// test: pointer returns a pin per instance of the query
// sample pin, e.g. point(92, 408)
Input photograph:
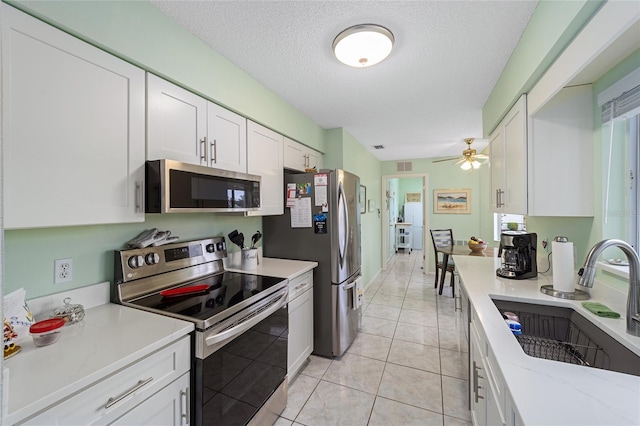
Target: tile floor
point(408, 365)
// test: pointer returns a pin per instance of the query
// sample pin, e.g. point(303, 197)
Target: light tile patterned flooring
point(408, 365)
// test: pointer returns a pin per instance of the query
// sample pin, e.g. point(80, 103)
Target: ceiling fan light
point(466, 165)
point(363, 45)
point(475, 164)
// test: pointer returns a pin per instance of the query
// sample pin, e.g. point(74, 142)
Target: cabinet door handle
point(499, 202)
point(184, 400)
point(114, 400)
point(139, 197)
point(477, 387)
point(203, 150)
point(214, 152)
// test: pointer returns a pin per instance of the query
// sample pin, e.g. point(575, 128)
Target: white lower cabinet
point(300, 322)
point(145, 391)
point(486, 386)
point(169, 407)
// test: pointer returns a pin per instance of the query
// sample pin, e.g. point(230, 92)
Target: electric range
point(241, 321)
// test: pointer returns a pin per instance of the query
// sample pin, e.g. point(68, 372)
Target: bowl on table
point(477, 248)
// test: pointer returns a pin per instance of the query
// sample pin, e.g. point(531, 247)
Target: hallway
point(408, 365)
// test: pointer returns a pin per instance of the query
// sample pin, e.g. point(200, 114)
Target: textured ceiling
point(421, 102)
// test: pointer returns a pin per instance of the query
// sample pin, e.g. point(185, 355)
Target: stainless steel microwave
point(176, 187)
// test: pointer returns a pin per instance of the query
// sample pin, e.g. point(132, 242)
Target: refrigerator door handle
point(343, 225)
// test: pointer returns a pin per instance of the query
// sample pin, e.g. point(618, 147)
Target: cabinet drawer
point(121, 391)
point(300, 284)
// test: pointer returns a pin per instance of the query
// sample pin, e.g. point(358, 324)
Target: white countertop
point(109, 338)
point(549, 392)
point(281, 268)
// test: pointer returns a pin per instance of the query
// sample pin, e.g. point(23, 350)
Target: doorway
point(398, 190)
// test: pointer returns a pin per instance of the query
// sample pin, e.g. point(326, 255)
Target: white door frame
point(425, 218)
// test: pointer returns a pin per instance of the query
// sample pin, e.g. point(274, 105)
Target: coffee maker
point(518, 255)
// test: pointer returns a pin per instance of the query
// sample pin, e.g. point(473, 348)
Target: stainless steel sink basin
point(562, 334)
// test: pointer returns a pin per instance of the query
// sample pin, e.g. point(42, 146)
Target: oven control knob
point(135, 262)
point(152, 258)
point(221, 246)
point(211, 248)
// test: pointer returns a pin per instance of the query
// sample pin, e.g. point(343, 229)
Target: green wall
point(553, 25)
point(445, 175)
point(29, 254)
point(345, 152)
point(407, 185)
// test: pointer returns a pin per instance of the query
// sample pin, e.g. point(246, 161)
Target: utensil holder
point(249, 259)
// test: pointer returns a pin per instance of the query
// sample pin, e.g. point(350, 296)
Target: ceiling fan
point(469, 157)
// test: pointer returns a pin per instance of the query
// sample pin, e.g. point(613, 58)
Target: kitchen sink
point(562, 334)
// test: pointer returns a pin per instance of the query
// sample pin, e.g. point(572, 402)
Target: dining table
point(454, 250)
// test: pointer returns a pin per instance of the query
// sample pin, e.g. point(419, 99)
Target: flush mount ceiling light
point(363, 45)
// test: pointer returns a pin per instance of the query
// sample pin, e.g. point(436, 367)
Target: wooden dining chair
point(442, 238)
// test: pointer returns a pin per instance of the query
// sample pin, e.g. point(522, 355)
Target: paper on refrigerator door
point(301, 213)
point(291, 194)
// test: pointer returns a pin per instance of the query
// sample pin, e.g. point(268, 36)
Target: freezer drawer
point(346, 319)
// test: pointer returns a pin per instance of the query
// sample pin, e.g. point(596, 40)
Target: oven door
point(241, 366)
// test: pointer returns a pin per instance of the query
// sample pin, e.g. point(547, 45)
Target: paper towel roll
point(563, 273)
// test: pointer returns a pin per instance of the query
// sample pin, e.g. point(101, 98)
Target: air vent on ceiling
point(405, 166)
point(378, 147)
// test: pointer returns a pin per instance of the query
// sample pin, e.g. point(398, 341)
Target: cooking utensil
point(182, 291)
point(255, 238)
point(236, 238)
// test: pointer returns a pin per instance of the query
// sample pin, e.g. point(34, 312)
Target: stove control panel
point(133, 264)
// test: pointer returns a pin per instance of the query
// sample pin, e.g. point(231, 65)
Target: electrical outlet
point(545, 245)
point(63, 270)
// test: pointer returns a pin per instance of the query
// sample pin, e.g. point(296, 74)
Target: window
point(620, 147)
point(508, 222)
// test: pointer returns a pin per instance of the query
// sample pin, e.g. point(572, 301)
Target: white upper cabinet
point(73, 129)
point(265, 158)
point(299, 157)
point(508, 152)
point(183, 126)
point(176, 123)
point(227, 139)
point(561, 155)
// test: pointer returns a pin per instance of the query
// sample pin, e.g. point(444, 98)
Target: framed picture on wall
point(413, 197)
point(363, 199)
point(452, 201)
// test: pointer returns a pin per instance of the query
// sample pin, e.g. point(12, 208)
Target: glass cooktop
point(224, 291)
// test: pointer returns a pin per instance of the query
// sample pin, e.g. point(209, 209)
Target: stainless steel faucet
point(588, 271)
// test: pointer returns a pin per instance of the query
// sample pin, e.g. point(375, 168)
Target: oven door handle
point(244, 326)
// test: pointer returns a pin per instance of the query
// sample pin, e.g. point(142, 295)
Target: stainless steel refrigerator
point(322, 223)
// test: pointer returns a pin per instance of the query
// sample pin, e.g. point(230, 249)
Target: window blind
point(625, 105)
